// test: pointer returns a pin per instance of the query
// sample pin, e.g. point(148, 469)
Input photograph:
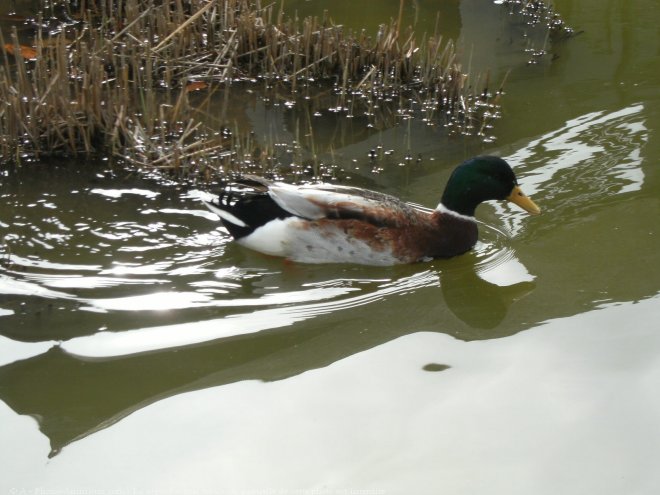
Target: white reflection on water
point(12, 350)
point(568, 407)
point(503, 270)
point(89, 282)
point(195, 213)
point(118, 193)
point(49, 265)
point(109, 344)
point(601, 150)
point(160, 301)
point(11, 286)
point(614, 137)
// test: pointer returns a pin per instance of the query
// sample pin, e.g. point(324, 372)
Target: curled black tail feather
point(248, 201)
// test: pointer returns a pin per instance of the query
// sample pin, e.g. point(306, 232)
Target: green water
point(143, 352)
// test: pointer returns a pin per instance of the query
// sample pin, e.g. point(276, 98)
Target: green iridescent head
point(480, 179)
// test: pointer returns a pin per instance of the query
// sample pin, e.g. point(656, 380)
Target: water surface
point(141, 350)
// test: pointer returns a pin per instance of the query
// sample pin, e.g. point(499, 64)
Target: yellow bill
point(518, 197)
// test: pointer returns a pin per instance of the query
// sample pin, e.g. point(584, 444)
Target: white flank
point(334, 246)
point(295, 239)
point(272, 238)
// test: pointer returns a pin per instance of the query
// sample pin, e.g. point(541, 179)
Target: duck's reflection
point(480, 304)
point(72, 397)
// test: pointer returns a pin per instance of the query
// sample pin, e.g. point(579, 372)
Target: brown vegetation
point(119, 78)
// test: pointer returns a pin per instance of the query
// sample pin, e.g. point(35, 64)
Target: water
point(142, 351)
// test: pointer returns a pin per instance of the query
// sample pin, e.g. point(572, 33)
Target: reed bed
point(119, 78)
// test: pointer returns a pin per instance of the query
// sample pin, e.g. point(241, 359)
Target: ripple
point(112, 344)
point(33, 262)
point(88, 282)
point(164, 275)
point(496, 262)
point(10, 286)
point(161, 301)
point(582, 164)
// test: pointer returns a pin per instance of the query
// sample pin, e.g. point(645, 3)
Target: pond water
point(141, 351)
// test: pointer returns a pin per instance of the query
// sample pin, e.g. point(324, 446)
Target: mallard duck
point(322, 223)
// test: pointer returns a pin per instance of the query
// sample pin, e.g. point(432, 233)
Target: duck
point(327, 223)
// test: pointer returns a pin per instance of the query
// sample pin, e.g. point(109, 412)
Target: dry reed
point(118, 79)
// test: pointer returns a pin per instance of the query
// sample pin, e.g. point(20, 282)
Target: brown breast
point(435, 235)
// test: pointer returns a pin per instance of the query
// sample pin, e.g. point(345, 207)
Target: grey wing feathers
point(318, 201)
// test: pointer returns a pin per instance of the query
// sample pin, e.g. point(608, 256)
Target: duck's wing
point(318, 201)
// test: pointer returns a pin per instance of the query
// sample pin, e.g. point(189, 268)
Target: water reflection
point(83, 248)
point(145, 300)
point(88, 383)
point(478, 303)
point(583, 163)
point(163, 305)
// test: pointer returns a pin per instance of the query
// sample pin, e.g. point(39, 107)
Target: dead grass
point(118, 80)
